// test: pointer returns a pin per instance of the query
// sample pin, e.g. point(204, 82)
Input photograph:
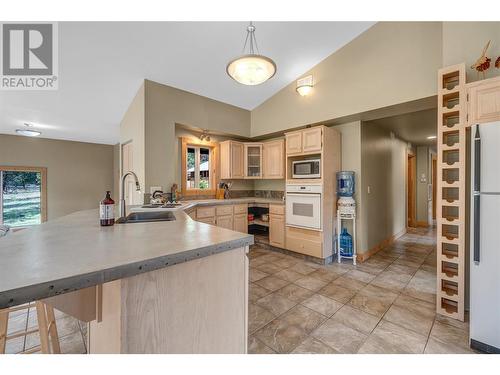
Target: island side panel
point(104, 333)
point(195, 307)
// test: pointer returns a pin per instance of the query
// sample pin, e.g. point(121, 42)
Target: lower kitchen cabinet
point(207, 220)
point(240, 223)
point(304, 241)
point(277, 225)
point(277, 230)
point(225, 221)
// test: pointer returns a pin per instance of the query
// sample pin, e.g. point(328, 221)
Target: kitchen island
point(159, 287)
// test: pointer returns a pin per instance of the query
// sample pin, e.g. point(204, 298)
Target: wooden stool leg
point(4, 320)
point(42, 327)
point(54, 337)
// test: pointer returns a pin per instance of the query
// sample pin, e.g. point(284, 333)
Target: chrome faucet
point(123, 210)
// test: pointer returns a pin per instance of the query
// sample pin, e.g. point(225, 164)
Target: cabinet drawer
point(203, 212)
point(240, 208)
point(224, 210)
point(207, 220)
point(304, 241)
point(277, 209)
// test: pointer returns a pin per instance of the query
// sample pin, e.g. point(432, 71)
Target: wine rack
point(452, 123)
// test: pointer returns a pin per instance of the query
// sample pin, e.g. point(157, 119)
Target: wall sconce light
point(305, 85)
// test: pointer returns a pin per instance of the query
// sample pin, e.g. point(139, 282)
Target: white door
point(128, 165)
point(303, 210)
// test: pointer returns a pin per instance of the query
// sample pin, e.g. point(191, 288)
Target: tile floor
point(384, 305)
point(72, 333)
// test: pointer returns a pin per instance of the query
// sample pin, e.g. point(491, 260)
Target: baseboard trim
point(384, 243)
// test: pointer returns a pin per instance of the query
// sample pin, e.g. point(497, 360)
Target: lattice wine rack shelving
point(451, 188)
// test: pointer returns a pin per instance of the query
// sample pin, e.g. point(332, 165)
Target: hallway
point(384, 305)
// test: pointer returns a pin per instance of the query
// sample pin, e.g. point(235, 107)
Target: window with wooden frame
point(199, 167)
point(23, 196)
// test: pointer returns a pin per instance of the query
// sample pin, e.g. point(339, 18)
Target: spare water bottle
point(345, 243)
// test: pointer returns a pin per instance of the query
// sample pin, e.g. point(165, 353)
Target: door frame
point(434, 186)
point(411, 168)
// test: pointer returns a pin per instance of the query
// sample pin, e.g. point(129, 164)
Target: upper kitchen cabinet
point(484, 101)
point(253, 160)
point(312, 140)
point(274, 159)
point(232, 163)
point(294, 143)
point(307, 141)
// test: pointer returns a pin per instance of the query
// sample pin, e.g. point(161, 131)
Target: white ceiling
point(101, 66)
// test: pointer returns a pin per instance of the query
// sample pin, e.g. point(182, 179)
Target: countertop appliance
point(303, 206)
point(309, 168)
point(485, 238)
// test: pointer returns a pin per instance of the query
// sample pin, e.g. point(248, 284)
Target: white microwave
point(306, 168)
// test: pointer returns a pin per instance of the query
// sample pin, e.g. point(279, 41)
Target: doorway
point(411, 197)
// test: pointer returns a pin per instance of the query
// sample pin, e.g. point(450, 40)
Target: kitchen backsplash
point(269, 194)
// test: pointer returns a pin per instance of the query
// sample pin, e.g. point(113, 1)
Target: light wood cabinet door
point(237, 162)
point(225, 221)
point(207, 220)
point(277, 230)
point(294, 143)
point(253, 160)
point(312, 140)
point(231, 160)
point(240, 223)
point(484, 102)
point(225, 160)
point(274, 159)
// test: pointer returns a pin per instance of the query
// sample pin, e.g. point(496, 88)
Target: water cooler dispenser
point(346, 210)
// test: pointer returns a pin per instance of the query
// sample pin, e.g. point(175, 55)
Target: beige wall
point(383, 166)
point(351, 161)
point(132, 129)
point(391, 63)
point(166, 106)
point(116, 171)
point(78, 174)
point(464, 42)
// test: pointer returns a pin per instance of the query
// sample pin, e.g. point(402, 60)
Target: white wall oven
point(306, 168)
point(303, 206)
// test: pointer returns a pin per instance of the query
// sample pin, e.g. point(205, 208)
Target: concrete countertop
point(75, 252)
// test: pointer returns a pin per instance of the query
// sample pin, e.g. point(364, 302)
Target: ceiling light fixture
point(251, 68)
point(28, 132)
point(431, 137)
point(204, 136)
point(305, 85)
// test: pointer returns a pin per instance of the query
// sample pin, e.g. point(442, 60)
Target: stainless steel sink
point(145, 217)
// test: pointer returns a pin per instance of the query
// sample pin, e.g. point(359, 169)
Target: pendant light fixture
point(251, 68)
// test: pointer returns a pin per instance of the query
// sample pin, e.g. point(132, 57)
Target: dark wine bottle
point(107, 211)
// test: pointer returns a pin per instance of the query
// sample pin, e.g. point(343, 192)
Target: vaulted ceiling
point(102, 65)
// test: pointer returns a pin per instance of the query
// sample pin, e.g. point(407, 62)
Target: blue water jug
point(345, 183)
point(345, 243)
